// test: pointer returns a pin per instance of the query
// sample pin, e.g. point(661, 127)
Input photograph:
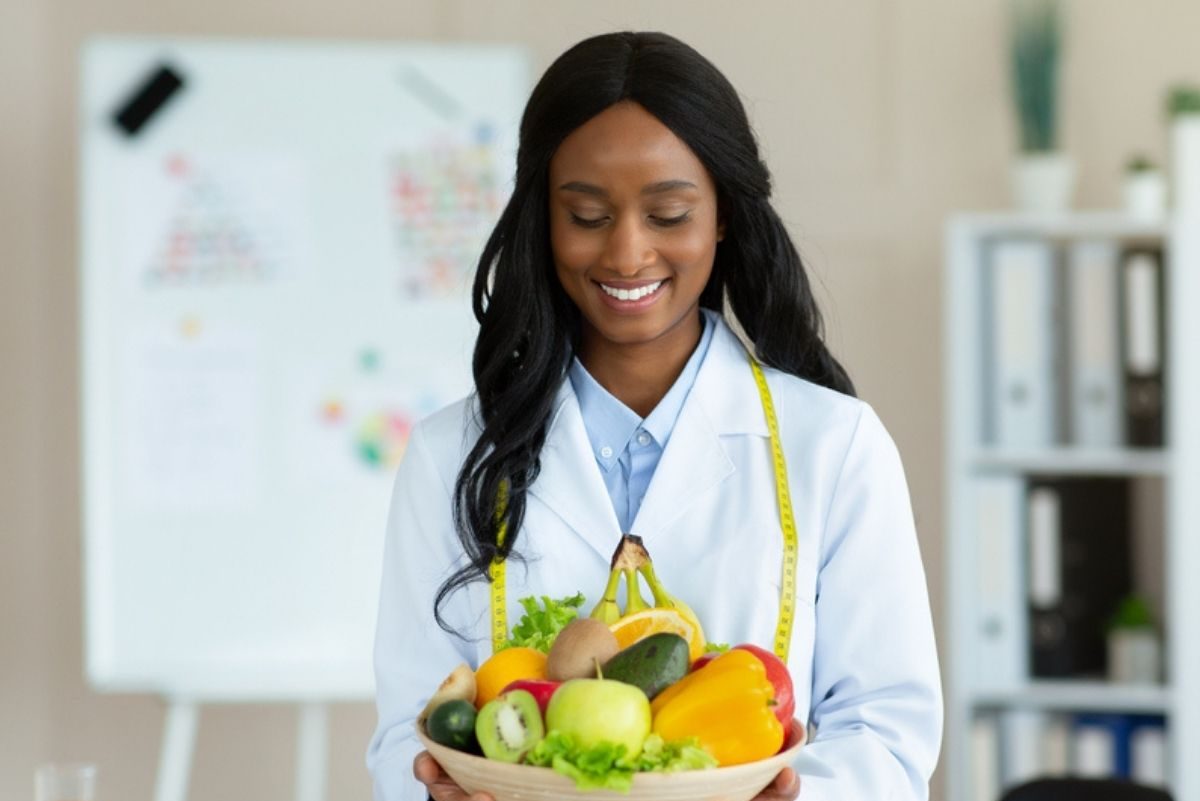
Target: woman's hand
point(786, 787)
point(442, 787)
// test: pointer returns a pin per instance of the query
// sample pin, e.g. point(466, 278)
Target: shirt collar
point(611, 424)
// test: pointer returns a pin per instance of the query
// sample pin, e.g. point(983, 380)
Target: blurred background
point(881, 122)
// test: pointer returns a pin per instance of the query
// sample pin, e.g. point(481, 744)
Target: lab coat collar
point(724, 401)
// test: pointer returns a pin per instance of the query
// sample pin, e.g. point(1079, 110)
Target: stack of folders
point(1075, 343)
point(1019, 745)
point(1052, 563)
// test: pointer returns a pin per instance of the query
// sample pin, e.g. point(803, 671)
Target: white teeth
point(632, 294)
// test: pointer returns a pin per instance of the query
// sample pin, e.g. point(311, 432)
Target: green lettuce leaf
point(538, 627)
point(607, 766)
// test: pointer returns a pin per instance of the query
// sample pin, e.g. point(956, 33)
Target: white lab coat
point(862, 657)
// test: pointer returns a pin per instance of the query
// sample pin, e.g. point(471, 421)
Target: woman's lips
point(627, 296)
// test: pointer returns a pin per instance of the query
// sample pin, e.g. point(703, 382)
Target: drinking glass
point(65, 782)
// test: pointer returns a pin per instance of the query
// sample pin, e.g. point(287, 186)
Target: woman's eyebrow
point(649, 189)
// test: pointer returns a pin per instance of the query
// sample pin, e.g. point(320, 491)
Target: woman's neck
point(640, 374)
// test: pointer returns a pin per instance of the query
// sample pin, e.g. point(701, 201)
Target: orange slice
point(640, 625)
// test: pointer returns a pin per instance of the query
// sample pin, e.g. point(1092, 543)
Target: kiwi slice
point(509, 725)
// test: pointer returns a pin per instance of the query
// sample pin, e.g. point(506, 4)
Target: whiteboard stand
point(312, 752)
point(179, 744)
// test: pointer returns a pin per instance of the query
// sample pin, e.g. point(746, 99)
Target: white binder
point(1023, 397)
point(1148, 755)
point(1097, 407)
point(985, 759)
point(1022, 745)
point(1001, 622)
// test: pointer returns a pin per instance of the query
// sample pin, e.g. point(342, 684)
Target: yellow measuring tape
point(787, 590)
point(787, 520)
point(499, 603)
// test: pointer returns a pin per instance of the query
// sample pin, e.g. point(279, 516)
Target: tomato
point(541, 690)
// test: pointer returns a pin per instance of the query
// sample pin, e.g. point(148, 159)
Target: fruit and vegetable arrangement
point(603, 697)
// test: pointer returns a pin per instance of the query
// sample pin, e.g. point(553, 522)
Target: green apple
point(601, 710)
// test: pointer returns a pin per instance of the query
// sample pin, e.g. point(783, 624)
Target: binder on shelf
point(1022, 397)
point(1100, 746)
point(1079, 555)
point(1148, 751)
point(1056, 746)
point(1021, 741)
point(1000, 630)
point(1096, 407)
point(984, 739)
point(1142, 346)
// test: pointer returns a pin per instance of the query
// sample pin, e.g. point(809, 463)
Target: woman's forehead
point(626, 147)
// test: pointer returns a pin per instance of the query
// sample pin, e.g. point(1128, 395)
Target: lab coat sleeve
point(876, 695)
point(412, 654)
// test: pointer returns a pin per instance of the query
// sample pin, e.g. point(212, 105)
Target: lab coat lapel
point(570, 483)
point(723, 401)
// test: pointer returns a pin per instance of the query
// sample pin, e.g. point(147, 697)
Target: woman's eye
point(587, 222)
point(667, 222)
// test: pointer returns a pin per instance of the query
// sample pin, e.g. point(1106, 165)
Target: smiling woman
point(611, 396)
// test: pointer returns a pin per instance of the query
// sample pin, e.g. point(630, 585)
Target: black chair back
point(1084, 790)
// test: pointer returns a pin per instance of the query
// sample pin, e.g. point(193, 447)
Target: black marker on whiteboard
point(148, 99)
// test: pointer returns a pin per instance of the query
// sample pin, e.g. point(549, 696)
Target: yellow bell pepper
point(727, 705)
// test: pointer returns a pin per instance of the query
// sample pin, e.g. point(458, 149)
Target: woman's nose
point(627, 250)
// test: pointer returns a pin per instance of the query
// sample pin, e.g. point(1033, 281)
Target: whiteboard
point(275, 272)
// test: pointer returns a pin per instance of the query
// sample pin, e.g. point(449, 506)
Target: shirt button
point(606, 452)
point(643, 438)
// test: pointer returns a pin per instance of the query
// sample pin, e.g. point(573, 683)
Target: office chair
point(1084, 790)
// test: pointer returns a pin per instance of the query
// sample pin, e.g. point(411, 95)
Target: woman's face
point(633, 228)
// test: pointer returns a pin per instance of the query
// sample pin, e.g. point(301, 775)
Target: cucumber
point(652, 664)
point(453, 724)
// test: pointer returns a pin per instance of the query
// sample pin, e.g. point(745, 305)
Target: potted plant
point(1145, 189)
point(1134, 653)
point(1183, 107)
point(1043, 176)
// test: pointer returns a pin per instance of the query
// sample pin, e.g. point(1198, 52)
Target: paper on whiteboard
point(212, 220)
point(443, 199)
point(347, 429)
point(193, 418)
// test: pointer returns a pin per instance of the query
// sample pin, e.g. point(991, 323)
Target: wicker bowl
point(506, 782)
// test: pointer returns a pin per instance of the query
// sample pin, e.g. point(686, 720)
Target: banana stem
point(633, 593)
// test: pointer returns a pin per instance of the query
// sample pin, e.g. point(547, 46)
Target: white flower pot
point(1043, 183)
point(1134, 656)
point(1185, 161)
point(1145, 195)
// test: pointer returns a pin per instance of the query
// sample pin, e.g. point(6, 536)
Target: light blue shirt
point(626, 447)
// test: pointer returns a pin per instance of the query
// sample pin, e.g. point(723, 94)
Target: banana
point(630, 561)
point(607, 611)
point(664, 600)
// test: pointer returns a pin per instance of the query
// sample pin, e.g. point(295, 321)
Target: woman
point(612, 396)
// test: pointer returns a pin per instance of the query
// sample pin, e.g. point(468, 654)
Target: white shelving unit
point(1176, 466)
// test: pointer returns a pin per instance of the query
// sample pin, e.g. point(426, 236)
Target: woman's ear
point(720, 230)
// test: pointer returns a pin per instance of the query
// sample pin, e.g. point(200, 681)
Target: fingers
point(441, 787)
point(786, 787)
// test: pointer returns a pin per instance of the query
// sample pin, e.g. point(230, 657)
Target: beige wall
point(877, 117)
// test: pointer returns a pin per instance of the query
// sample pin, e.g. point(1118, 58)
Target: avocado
point(652, 664)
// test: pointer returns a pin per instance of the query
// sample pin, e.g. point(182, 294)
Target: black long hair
point(529, 329)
